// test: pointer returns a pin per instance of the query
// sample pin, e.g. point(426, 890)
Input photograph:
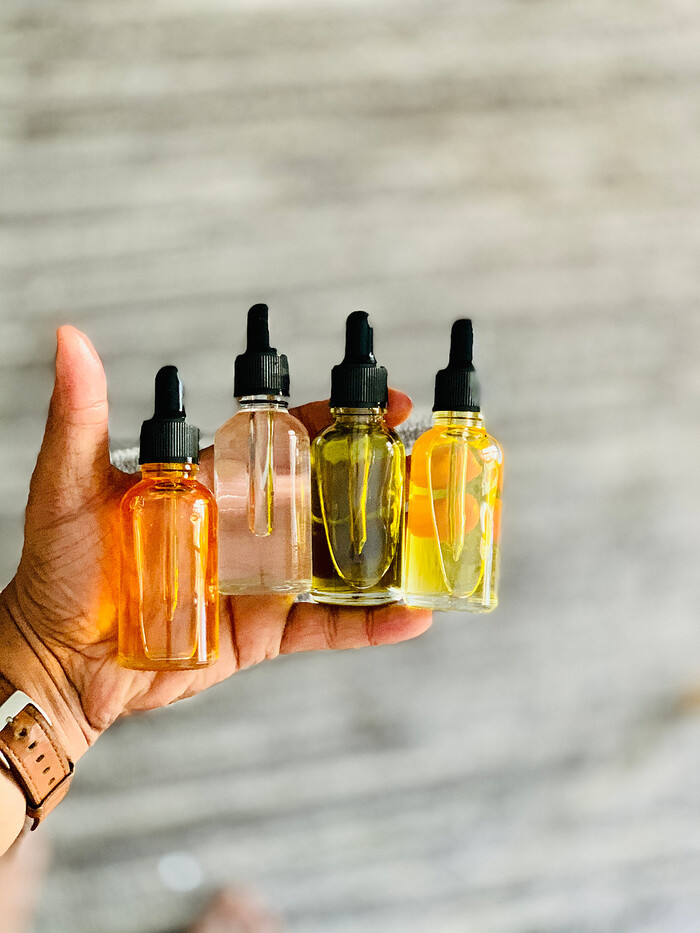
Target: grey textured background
point(534, 164)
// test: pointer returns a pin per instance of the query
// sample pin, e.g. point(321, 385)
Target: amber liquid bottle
point(454, 502)
point(358, 466)
point(168, 606)
point(262, 473)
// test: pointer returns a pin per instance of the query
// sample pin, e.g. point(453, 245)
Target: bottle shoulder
point(339, 431)
point(201, 490)
point(237, 425)
point(292, 423)
point(160, 486)
point(452, 435)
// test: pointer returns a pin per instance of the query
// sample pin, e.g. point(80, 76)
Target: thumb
point(73, 464)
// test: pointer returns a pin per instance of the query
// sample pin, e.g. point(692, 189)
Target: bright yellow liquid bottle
point(454, 501)
point(454, 509)
point(168, 603)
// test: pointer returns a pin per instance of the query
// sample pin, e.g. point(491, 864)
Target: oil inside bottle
point(454, 508)
point(454, 502)
point(357, 509)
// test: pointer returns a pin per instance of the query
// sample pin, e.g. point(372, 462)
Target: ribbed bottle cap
point(167, 437)
point(457, 386)
point(358, 382)
point(260, 370)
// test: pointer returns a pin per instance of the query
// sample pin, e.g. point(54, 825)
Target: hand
point(58, 616)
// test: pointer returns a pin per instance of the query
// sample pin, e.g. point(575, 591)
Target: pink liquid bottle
point(262, 477)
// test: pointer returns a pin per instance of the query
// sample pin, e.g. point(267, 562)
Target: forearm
point(30, 667)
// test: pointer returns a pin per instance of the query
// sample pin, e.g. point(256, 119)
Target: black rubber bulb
point(169, 394)
point(461, 343)
point(359, 339)
point(258, 332)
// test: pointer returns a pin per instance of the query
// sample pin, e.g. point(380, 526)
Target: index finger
point(316, 416)
point(314, 626)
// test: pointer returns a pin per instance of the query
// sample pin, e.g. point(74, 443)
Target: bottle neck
point(263, 401)
point(359, 415)
point(173, 470)
point(467, 419)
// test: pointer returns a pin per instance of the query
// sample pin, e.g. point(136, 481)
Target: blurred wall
point(534, 165)
point(165, 164)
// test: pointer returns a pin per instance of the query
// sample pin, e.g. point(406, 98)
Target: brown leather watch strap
point(31, 751)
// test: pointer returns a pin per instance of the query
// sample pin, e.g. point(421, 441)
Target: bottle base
point(183, 664)
point(356, 599)
point(257, 588)
point(444, 603)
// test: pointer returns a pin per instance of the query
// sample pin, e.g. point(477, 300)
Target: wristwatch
point(30, 750)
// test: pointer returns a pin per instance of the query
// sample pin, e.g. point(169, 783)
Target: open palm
point(58, 616)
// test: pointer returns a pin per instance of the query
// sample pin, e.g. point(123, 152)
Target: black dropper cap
point(358, 382)
point(261, 370)
point(167, 437)
point(457, 386)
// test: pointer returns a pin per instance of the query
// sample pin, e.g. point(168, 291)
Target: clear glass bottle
point(454, 501)
point(168, 605)
point(358, 468)
point(263, 477)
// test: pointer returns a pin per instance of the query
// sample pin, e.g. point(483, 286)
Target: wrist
point(28, 665)
point(13, 807)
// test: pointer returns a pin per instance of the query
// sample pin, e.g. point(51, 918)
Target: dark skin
point(58, 624)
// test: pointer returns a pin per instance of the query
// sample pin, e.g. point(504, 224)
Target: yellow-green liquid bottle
point(358, 470)
point(454, 501)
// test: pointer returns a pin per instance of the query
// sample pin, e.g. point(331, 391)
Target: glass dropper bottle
point(454, 501)
point(168, 606)
point(358, 483)
point(262, 477)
